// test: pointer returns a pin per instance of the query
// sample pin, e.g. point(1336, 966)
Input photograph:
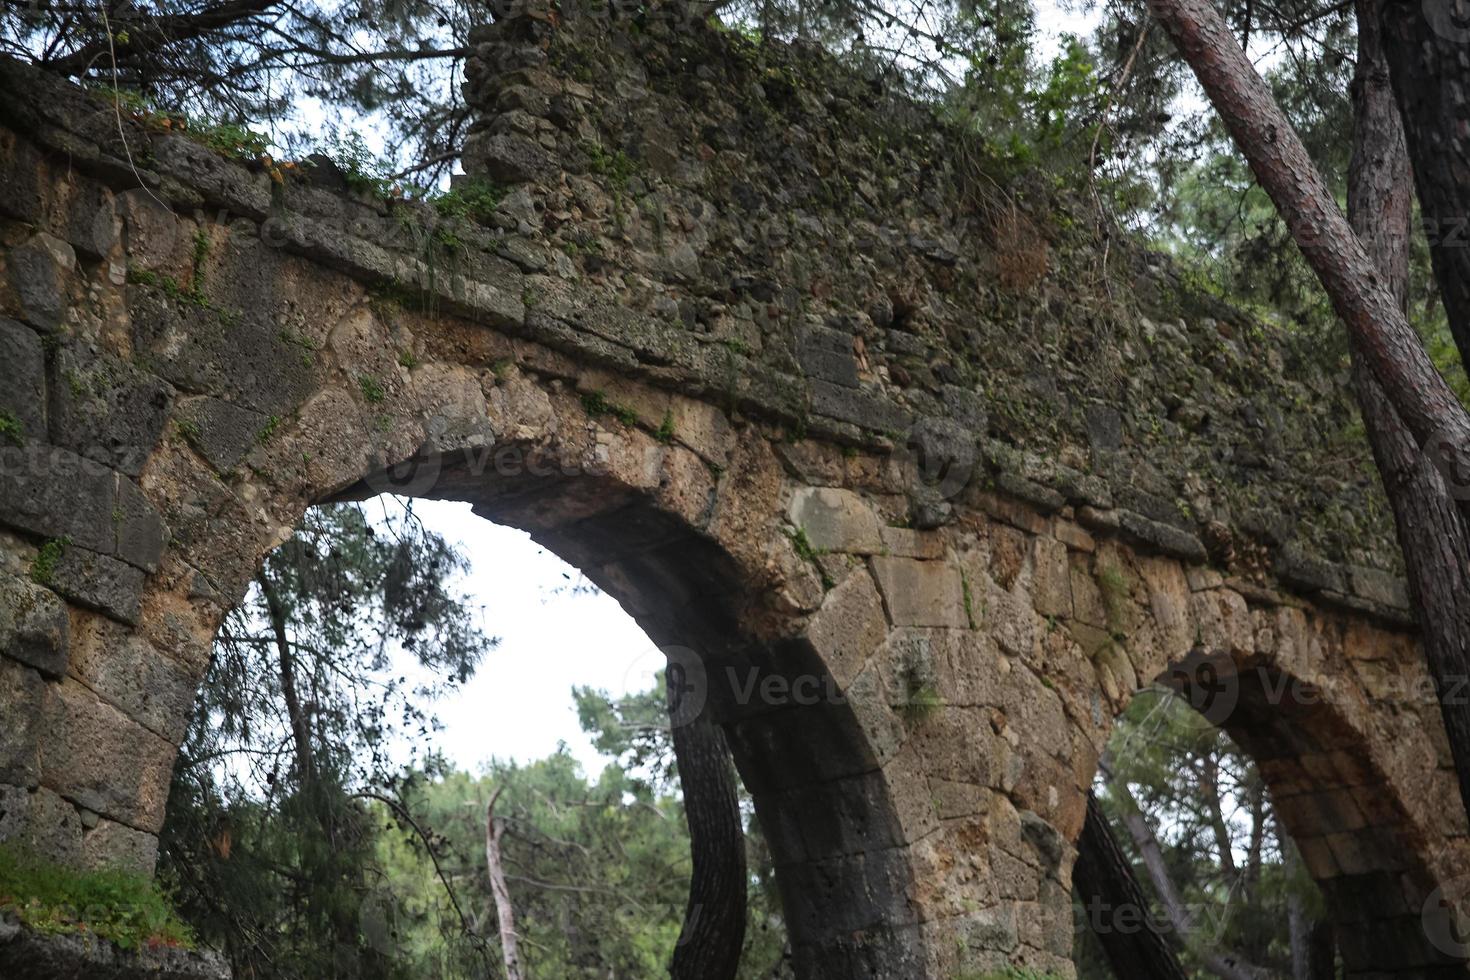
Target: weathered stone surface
point(93, 227)
point(921, 593)
point(836, 520)
point(509, 158)
point(25, 701)
point(46, 825)
point(1051, 586)
point(72, 956)
point(97, 757)
point(773, 354)
point(127, 671)
point(849, 626)
point(140, 530)
point(154, 236)
point(904, 542)
point(1162, 537)
point(23, 396)
point(40, 273)
point(827, 354)
point(104, 408)
point(34, 627)
point(112, 845)
point(99, 582)
point(54, 493)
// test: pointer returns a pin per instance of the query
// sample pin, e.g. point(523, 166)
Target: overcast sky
point(552, 638)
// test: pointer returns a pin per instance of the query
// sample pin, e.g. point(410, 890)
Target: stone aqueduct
point(751, 341)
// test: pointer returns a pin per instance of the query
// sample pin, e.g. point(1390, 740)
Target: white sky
point(519, 704)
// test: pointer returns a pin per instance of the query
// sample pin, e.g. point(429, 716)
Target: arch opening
point(1268, 840)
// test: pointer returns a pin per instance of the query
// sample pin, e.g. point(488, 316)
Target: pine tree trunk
point(1425, 43)
point(1383, 342)
point(1103, 879)
point(1431, 531)
point(504, 912)
point(714, 921)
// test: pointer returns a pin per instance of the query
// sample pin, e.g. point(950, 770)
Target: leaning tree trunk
point(504, 912)
point(1431, 531)
point(1103, 878)
point(1425, 43)
point(1224, 963)
point(1361, 294)
point(714, 920)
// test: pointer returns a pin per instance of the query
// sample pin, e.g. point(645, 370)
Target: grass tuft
point(127, 909)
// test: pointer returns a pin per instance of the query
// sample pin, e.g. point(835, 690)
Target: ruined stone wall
point(920, 488)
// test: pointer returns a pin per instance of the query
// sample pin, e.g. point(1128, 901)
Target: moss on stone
point(129, 910)
point(12, 430)
point(43, 566)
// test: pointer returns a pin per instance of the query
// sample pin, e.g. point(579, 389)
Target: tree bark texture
point(1431, 532)
point(1103, 877)
point(504, 911)
point(1426, 44)
point(714, 920)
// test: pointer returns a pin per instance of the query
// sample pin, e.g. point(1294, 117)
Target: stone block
point(140, 530)
point(1379, 586)
point(1161, 537)
point(23, 396)
point(836, 520)
point(849, 626)
point(1074, 536)
point(34, 626)
point(15, 809)
point(883, 731)
point(903, 542)
point(40, 273)
point(856, 405)
point(104, 408)
point(25, 700)
point(703, 428)
point(113, 845)
point(99, 582)
point(222, 432)
point(1035, 495)
point(827, 354)
point(1051, 587)
point(54, 493)
point(1223, 622)
point(238, 354)
point(1301, 570)
point(1010, 621)
point(92, 223)
point(132, 675)
point(52, 827)
point(23, 191)
point(921, 593)
point(1087, 598)
point(1013, 512)
point(508, 158)
point(99, 758)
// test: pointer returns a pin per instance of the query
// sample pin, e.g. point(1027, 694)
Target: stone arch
point(682, 531)
point(765, 346)
point(1285, 682)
